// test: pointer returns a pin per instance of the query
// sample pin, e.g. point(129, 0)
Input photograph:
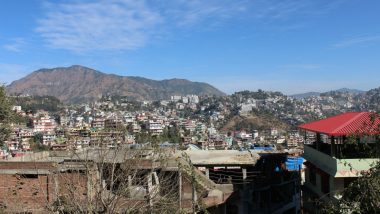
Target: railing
point(348, 151)
point(338, 167)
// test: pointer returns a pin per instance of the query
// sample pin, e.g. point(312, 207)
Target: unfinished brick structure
point(35, 186)
point(113, 181)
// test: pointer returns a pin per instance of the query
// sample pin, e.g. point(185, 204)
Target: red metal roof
point(346, 124)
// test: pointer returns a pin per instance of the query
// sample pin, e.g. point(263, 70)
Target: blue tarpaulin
point(265, 148)
point(294, 163)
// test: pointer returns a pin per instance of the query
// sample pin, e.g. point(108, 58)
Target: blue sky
point(285, 45)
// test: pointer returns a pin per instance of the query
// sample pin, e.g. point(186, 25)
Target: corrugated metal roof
point(346, 124)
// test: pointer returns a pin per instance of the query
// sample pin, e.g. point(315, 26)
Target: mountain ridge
point(77, 84)
point(314, 93)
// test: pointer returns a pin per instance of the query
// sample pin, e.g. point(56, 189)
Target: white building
point(185, 100)
point(16, 108)
point(48, 138)
point(155, 127)
point(175, 98)
point(193, 99)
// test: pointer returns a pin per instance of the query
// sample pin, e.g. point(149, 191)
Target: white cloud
point(101, 25)
point(276, 10)
point(186, 13)
point(130, 24)
point(15, 45)
point(124, 24)
point(361, 40)
point(302, 66)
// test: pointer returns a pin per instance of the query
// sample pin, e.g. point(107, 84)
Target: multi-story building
point(340, 153)
point(128, 118)
point(155, 127)
point(193, 99)
point(25, 133)
point(136, 127)
point(64, 121)
point(244, 135)
point(43, 124)
point(200, 127)
point(113, 123)
point(48, 138)
point(175, 98)
point(98, 123)
point(188, 125)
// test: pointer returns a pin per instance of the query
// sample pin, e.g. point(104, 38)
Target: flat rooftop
point(197, 157)
point(220, 157)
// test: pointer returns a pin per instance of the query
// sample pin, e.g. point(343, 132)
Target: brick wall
point(27, 165)
point(36, 192)
point(26, 192)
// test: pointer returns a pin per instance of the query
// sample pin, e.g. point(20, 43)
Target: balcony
point(344, 166)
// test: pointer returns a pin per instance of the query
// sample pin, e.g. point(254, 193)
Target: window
point(30, 176)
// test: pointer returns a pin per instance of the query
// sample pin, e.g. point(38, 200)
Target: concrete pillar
point(245, 198)
point(150, 190)
point(332, 146)
point(318, 141)
point(56, 186)
point(207, 172)
point(332, 186)
point(194, 197)
point(129, 181)
point(304, 137)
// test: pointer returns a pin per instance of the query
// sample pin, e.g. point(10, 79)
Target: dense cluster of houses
point(107, 123)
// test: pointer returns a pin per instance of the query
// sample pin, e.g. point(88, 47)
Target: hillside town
point(288, 168)
point(191, 119)
point(182, 120)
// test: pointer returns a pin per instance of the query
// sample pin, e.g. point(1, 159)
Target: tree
point(5, 116)
point(120, 181)
point(36, 143)
point(363, 195)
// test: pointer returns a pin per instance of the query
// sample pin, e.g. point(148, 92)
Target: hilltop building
point(340, 152)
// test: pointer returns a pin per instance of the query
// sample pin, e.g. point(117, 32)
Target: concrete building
point(188, 125)
point(230, 182)
point(193, 99)
point(113, 123)
point(48, 138)
point(260, 180)
point(185, 100)
point(98, 123)
point(47, 181)
point(200, 127)
point(332, 161)
point(136, 128)
point(244, 135)
point(128, 118)
point(155, 127)
point(16, 108)
point(175, 98)
point(43, 124)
